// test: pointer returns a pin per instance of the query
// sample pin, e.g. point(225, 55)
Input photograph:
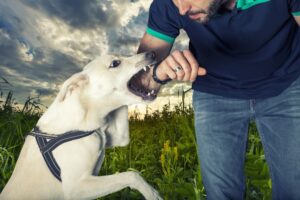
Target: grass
point(162, 149)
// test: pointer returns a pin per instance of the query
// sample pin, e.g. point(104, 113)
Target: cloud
point(78, 13)
point(124, 40)
point(8, 47)
point(27, 69)
point(42, 43)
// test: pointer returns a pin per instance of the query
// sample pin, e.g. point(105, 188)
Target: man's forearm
point(149, 43)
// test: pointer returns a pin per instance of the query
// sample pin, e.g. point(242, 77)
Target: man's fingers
point(201, 71)
point(171, 74)
point(164, 71)
point(180, 66)
point(193, 64)
point(172, 64)
point(183, 62)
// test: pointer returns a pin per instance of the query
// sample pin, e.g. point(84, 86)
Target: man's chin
point(197, 16)
point(206, 15)
point(203, 20)
point(200, 17)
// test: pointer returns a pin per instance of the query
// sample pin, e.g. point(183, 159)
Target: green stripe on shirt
point(160, 35)
point(296, 13)
point(245, 4)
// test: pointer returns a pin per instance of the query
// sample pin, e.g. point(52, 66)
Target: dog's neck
point(70, 115)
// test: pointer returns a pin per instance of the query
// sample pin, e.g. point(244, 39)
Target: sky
point(43, 42)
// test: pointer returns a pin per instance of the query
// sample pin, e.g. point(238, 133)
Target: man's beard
point(210, 12)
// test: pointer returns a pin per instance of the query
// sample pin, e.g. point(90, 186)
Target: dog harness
point(48, 142)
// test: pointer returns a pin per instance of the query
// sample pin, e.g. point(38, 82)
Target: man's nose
point(183, 7)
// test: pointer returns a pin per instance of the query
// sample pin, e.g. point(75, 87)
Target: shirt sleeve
point(163, 22)
point(295, 7)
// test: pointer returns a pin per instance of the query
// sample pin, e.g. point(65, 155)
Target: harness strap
point(48, 157)
point(47, 143)
point(100, 159)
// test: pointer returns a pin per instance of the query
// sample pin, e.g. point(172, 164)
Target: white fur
point(95, 98)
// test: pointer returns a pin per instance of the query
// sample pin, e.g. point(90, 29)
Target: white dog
point(91, 109)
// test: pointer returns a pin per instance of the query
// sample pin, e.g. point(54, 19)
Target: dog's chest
point(83, 153)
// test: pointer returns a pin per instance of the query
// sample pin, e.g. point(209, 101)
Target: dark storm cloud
point(26, 76)
point(11, 24)
point(8, 47)
point(47, 65)
point(78, 13)
point(56, 61)
point(44, 91)
point(129, 36)
point(58, 68)
point(120, 41)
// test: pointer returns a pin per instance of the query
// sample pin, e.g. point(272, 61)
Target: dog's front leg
point(97, 186)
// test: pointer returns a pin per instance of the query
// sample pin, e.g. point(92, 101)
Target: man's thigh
point(278, 122)
point(221, 129)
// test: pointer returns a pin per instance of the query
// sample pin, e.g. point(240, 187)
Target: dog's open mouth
point(136, 86)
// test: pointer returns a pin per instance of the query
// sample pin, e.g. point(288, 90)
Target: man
point(249, 53)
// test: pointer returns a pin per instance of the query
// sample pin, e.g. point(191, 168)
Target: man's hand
point(181, 66)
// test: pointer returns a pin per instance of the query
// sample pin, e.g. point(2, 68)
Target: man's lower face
point(204, 16)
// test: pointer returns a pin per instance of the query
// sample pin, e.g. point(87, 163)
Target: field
point(162, 149)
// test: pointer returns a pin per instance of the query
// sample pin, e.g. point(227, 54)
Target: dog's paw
point(141, 185)
point(155, 196)
point(152, 194)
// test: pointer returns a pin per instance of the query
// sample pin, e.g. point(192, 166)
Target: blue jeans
point(221, 130)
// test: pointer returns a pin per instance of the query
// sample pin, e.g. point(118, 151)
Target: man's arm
point(297, 18)
point(160, 47)
point(165, 70)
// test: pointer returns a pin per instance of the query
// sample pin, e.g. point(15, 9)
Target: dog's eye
point(115, 63)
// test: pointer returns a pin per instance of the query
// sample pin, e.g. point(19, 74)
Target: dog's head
point(113, 76)
point(109, 84)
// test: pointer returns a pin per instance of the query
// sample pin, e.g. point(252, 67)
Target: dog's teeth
point(148, 94)
point(152, 91)
point(145, 68)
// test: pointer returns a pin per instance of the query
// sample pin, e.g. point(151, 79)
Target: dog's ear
point(75, 82)
point(117, 131)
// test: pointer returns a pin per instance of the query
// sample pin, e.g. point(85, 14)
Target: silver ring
point(178, 69)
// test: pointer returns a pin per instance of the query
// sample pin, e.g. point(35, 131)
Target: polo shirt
point(252, 51)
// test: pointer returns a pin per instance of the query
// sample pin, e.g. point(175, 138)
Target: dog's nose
point(150, 55)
